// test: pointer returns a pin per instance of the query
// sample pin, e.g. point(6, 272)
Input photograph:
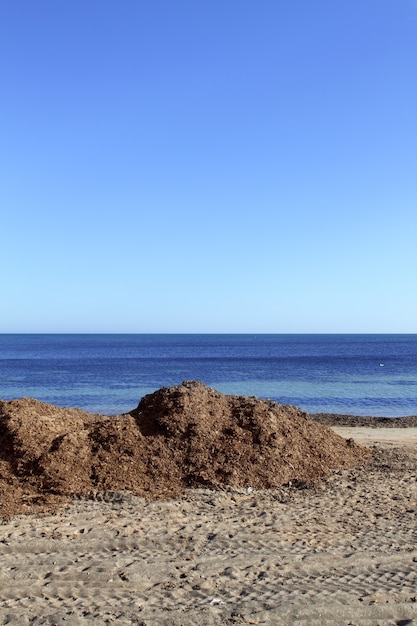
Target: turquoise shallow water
point(356, 374)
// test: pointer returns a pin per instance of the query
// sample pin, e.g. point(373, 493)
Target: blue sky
point(222, 166)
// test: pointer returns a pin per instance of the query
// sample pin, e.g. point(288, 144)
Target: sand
point(343, 551)
point(394, 436)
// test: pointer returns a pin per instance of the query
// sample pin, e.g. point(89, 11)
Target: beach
point(343, 551)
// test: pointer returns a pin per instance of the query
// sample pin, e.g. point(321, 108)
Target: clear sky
point(208, 166)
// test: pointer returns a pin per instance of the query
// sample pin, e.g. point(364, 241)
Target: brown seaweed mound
point(182, 436)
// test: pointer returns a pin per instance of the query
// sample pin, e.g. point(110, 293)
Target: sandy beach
point(393, 436)
point(341, 552)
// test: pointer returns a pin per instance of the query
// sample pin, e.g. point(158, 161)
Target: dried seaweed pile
point(188, 435)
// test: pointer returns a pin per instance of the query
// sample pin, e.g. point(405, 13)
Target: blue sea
point(348, 374)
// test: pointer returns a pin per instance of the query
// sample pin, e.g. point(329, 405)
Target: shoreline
point(341, 419)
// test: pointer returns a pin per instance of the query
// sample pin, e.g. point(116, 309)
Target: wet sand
point(342, 552)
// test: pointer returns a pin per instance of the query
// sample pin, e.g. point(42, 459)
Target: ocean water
point(349, 374)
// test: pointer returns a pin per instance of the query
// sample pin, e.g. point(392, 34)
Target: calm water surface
point(356, 374)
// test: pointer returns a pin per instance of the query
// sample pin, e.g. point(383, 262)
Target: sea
point(109, 373)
